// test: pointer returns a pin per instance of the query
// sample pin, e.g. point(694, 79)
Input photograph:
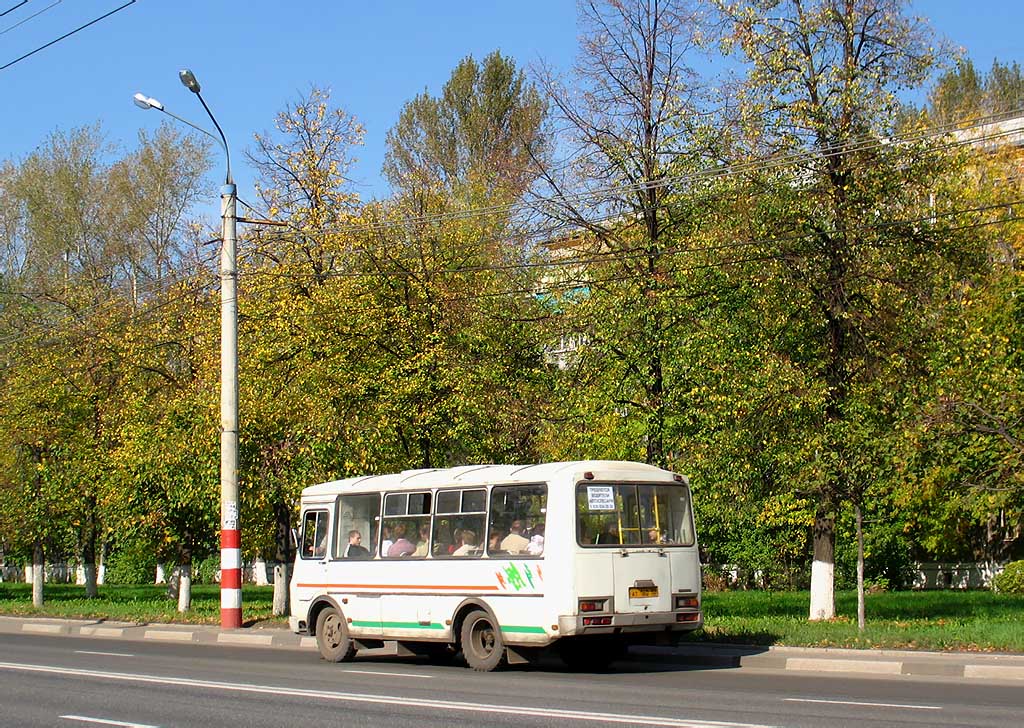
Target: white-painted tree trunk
point(282, 574)
point(184, 588)
point(823, 604)
point(259, 572)
point(80, 575)
point(89, 579)
point(823, 598)
point(860, 569)
point(37, 576)
point(161, 575)
point(28, 573)
point(101, 568)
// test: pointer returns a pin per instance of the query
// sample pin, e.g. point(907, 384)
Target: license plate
point(643, 592)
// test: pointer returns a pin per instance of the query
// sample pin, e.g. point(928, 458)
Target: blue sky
point(251, 57)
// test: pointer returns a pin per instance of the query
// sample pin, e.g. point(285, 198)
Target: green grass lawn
point(144, 603)
point(933, 620)
point(939, 620)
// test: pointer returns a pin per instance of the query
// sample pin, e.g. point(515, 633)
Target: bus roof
point(490, 474)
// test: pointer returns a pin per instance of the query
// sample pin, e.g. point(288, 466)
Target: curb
point(963, 665)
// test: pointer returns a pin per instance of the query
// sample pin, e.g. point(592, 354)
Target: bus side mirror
point(295, 538)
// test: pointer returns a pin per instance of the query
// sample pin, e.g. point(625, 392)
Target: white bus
point(498, 562)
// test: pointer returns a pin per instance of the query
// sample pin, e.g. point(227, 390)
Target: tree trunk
point(282, 575)
point(101, 567)
point(185, 586)
point(823, 601)
point(89, 559)
point(860, 568)
point(37, 574)
point(161, 574)
point(259, 571)
point(283, 557)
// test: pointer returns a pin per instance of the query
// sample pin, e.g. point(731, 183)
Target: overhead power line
point(67, 35)
point(705, 175)
point(30, 17)
point(12, 9)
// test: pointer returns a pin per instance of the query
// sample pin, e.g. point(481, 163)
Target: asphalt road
point(64, 681)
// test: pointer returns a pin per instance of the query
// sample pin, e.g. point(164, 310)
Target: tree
point(476, 142)
point(637, 119)
point(303, 168)
point(858, 250)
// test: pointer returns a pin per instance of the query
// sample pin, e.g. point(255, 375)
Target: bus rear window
point(633, 514)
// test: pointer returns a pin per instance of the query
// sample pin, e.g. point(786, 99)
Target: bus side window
point(314, 535)
point(517, 512)
point(459, 519)
point(357, 513)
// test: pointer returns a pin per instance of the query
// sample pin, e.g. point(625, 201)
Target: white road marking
point(867, 705)
point(102, 721)
point(392, 674)
point(450, 705)
point(111, 654)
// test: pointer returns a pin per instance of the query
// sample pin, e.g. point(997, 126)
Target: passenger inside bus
point(609, 535)
point(355, 549)
point(424, 541)
point(515, 542)
point(536, 545)
point(402, 546)
point(494, 543)
point(468, 547)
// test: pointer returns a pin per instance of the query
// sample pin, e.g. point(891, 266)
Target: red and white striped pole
point(230, 534)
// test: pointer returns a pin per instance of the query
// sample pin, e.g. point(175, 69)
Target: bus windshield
point(633, 514)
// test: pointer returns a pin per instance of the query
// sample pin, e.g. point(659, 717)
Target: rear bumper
point(631, 623)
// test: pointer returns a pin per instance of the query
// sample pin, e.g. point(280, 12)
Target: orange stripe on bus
point(459, 587)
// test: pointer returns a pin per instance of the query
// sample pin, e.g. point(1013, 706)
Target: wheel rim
point(483, 638)
point(332, 631)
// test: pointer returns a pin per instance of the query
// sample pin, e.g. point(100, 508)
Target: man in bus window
point(515, 542)
point(355, 548)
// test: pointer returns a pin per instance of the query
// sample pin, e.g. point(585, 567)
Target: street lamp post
point(230, 534)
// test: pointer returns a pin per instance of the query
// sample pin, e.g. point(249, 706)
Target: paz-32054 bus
point(499, 561)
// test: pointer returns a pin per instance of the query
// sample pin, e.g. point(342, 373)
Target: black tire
point(482, 645)
point(593, 654)
point(332, 637)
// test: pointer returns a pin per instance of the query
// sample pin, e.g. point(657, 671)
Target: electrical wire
point(12, 9)
point(30, 17)
point(67, 35)
point(702, 176)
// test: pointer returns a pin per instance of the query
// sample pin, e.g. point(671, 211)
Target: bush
point(129, 563)
point(1010, 580)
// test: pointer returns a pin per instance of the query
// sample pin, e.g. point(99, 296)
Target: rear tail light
point(687, 602)
point(596, 621)
point(688, 617)
point(592, 605)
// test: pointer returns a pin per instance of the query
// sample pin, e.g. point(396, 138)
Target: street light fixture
point(230, 535)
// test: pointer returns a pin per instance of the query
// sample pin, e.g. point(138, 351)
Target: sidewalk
point(963, 665)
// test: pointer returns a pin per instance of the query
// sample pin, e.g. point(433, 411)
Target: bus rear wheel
point(332, 637)
point(482, 645)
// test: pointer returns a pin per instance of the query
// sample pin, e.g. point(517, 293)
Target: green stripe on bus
point(397, 625)
point(527, 630)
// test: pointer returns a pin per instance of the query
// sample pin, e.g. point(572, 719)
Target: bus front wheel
point(332, 637)
point(482, 645)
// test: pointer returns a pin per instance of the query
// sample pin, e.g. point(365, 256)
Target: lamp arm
point(224, 141)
